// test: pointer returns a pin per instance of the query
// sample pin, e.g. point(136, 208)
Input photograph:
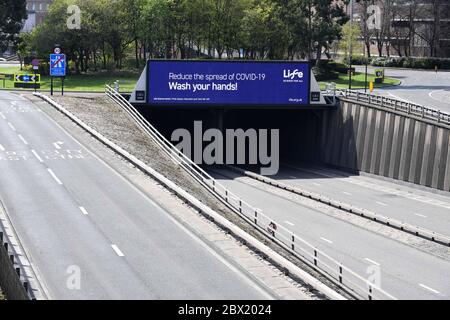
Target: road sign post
point(57, 68)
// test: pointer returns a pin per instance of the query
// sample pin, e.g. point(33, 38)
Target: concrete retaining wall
point(364, 138)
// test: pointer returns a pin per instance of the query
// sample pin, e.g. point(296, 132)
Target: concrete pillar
point(428, 156)
point(440, 158)
point(397, 145)
point(368, 140)
point(386, 147)
point(447, 169)
point(417, 152)
point(378, 142)
point(407, 145)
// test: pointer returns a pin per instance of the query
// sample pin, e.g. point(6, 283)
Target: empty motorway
point(405, 272)
point(76, 216)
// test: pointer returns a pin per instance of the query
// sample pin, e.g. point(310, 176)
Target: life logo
point(293, 75)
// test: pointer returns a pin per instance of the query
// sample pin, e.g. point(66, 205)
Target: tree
point(328, 18)
point(350, 37)
point(13, 14)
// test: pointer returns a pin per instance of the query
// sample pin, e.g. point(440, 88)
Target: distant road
point(74, 213)
point(402, 203)
point(421, 87)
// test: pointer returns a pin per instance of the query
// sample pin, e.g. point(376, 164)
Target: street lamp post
point(350, 49)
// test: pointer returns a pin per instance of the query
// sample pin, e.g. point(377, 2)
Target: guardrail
point(417, 231)
point(12, 275)
point(397, 105)
point(320, 261)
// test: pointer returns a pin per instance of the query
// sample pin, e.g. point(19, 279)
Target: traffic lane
point(426, 215)
point(166, 257)
point(402, 267)
point(426, 88)
point(381, 184)
point(57, 237)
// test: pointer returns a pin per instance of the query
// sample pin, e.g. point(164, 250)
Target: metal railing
point(306, 252)
point(404, 107)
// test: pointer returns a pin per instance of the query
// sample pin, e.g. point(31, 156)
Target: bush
point(413, 63)
point(328, 70)
point(359, 60)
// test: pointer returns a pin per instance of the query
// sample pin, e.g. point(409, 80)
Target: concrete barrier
point(386, 142)
point(10, 273)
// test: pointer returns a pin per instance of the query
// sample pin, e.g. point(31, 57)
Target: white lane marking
point(437, 99)
point(293, 177)
point(346, 193)
point(398, 98)
point(201, 242)
point(2, 148)
point(3, 116)
point(372, 262)
point(382, 204)
point(37, 156)
point(54, 176)
point(23, 139)
point(11, 126)
point(326, 240)
point(428, 288)
point(84, 211)
point(117, 250)
point(58, 144)
point(289, 223)
point(420, 215)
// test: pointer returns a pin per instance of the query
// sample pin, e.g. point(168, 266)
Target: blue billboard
point(58, 65)
point(222, 83)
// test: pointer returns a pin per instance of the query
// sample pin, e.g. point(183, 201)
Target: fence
point(404, 107)
point(320, 261)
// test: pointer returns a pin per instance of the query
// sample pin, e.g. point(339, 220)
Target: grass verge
point(82, 82)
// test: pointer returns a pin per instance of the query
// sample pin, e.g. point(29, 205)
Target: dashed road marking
point(382, 204)
point(2, 148)
point(54, 176)
point(117, 251)
point(346, 193)
point(37, 156)
point(11, 126)
point(326, 240)
point(23, 139)
point(429, 289)
point(372, 262)
point(2, 115)
point(289, 223)
point(420, 215)
point(84, 211)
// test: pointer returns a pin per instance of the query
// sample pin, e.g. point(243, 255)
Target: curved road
point(75, 215)
point(426, 88)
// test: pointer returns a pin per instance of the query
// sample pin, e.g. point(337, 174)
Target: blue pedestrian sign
point(58, 65)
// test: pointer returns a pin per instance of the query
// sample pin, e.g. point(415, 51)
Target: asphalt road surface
point(426, 88)
point(79, 220)
point(410, 205)
point(404, 272)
